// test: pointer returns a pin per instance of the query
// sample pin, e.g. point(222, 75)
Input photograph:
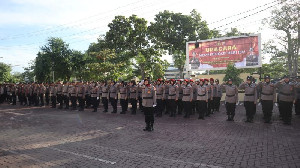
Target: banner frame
point(219, 39)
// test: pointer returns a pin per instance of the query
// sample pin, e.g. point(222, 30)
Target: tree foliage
point(5, 71)
point(233, 73)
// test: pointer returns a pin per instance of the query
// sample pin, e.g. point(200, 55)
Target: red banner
point(244, 52)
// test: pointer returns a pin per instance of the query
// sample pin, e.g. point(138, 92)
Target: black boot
point(147, 128)
point(151, 127)
point(228, 118)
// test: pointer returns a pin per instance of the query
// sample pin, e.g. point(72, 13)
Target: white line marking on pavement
point(157, 157)
point(85, 156)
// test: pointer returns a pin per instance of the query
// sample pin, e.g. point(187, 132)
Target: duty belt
point(202, 95)
point(230, 95)
point(104, 92)
point(286, 94)
point(132, 92)
point(112, 92)
point(147, 97)
point(173, 95)
point(267, 94)
point(122, 93)
point(93, 93)
point(186, 94)
point(249, 94)
point(158, 94)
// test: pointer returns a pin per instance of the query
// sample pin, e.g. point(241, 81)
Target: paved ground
point(44, 137)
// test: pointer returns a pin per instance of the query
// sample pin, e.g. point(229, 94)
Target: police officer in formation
point(171, 97)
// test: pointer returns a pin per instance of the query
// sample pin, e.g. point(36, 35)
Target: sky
point(25, 25)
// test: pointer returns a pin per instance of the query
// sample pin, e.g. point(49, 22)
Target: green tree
point(5, 71)
point(285, 18)
point(171, 31)
point(53, 57)
point(233, 73)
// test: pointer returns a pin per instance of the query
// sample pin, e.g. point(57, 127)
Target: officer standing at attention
point(217, 95)
point(166, 96)
point(53, 95)
point(105, 96)
point(210, 96)
point(59, 94)
point(81, 96)
point(123, 97)
point(42, 93)
point(172, 98)
point(250, 98)
point(149, 100)
point(202, 99)
point(180, 95)
point(159, 97)
point(133, 89)
point(113, 95)
point(267, 97)
point(94, 95)
point(65, 90)
point(73, 94)
point(287, 96)
point(187, 93)
point(231, 98)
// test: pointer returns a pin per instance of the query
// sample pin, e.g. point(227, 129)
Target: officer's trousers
point(201, 106)
point(74, 102)
point(53, 101)
point(172, 107)
point(267, 107)
point(105, 103)
point(134, 105)
point(66, 101)
point(250, 108)
point(149, 116)
point(209, 107)
point(81, 103)
point(230, 108)
point(159, 107)
point(216, 103)
point(179, 106)
point(47, 98)
point(14, 99)
point(42, 99)
point(187, 107)
point(113, 103)
point(60, 100)
point(287, 108)
point(94, 103)
point(123, 105)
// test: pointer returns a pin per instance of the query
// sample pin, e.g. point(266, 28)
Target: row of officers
point(170, 97)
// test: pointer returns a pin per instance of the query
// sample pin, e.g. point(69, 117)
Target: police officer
point(194, 102)
point(53, 95)
point(47, 94)
point(81, 96)
point(35, 94)
point(231, 98)
point(159, 97)
point(209, 87)
point(133, 89)
point(180, 95)
point(267, 97)
point(14, 94)
point(113, 95)
point(217, 95)
point(187, 98)
point(149, 100)
point(287, 95)
point(73, 95)
point(65, 91)
point(202, 99)
point(42, 92)
point(94, 95)
point(172, 97)
point(59, 95)
point(166, 95)
point(123, 97)
point(105, 95)
point(250, 98)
